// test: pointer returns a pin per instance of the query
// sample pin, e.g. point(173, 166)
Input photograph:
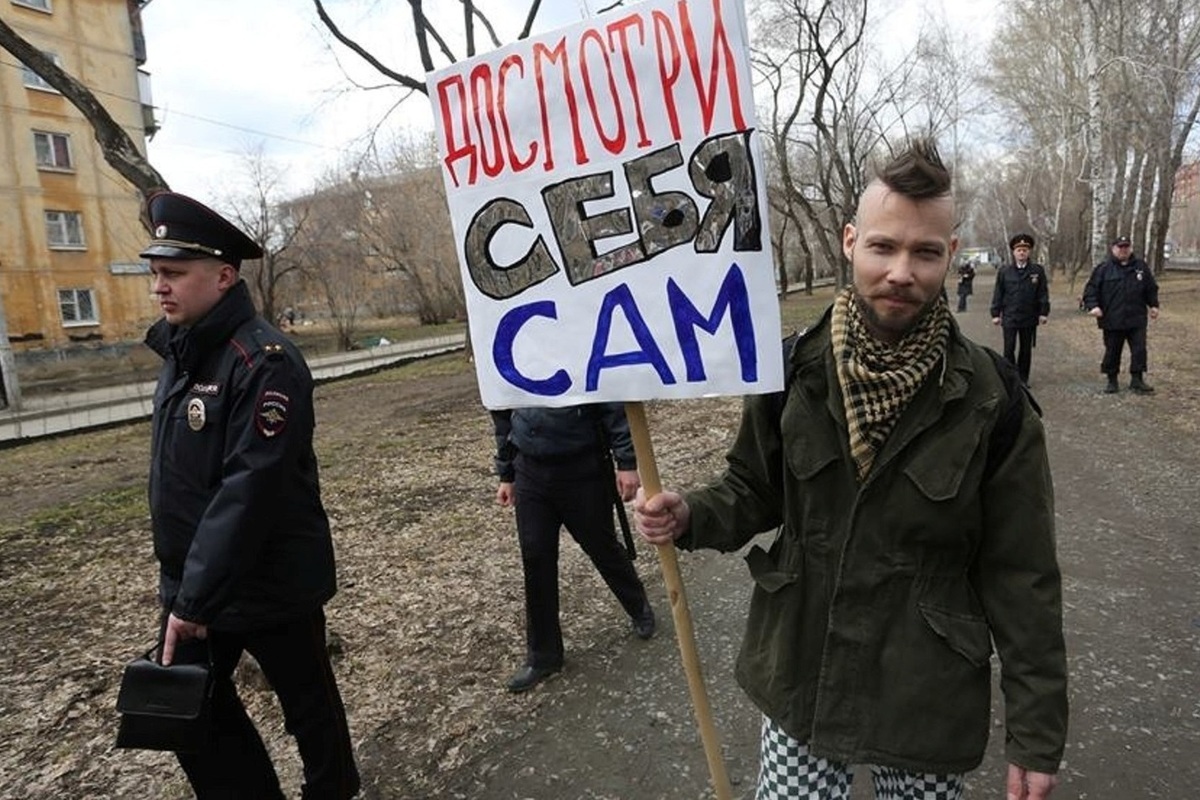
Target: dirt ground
point(427, 624)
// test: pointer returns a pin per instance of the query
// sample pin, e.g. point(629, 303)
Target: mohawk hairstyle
point(917, 171)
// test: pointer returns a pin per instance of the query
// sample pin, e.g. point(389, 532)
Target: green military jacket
point(875, 610)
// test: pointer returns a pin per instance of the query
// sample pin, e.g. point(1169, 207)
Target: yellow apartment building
point(70, 276)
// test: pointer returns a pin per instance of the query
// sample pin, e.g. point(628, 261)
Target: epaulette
point(269, 343)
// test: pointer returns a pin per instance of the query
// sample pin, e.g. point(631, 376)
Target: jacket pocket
point(766, 573)
point(965, 634)
point(937, 470)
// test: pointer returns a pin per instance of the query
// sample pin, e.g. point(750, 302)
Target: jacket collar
point(190, 346)
point(953, 375)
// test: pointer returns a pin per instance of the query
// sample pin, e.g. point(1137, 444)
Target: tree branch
point(403, 80)
point(119, 150)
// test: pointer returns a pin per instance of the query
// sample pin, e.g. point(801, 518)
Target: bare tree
point(120, 151)
point(831, 108)
point(428, 37)
point(405, 230)
point(327, 247)
point(1110, 92)
point(260, 211)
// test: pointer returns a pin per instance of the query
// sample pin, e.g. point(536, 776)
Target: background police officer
point(242, 539)
point(1120, 294)
point(1020, 302)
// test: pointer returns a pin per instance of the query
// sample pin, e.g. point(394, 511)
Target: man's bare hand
point(1025, 784)
point(179, 630)
point(663, 518)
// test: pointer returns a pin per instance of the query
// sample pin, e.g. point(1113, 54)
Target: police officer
point(555, 467)
point(1120, 293)
point(1020, 302)
point(242, 539)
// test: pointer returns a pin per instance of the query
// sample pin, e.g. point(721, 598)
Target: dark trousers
point(1022, 357)
point(1114, 341)
point(295, 662)
point(576, 494)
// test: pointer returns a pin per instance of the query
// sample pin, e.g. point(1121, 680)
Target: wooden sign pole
point(668, 558)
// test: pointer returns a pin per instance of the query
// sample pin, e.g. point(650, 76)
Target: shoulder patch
point(271, 414)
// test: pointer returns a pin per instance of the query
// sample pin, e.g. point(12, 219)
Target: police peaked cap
point(186, 229)
point(1020, 239)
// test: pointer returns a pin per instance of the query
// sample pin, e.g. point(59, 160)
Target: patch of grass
point(798, 310)
point(433, 367)
point(112, 508)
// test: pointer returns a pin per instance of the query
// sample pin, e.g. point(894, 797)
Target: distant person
point(242, 539)
point(556, 467)
point(966, 281)
point(1020, 302)
point(1120, 294)
point(900, 555)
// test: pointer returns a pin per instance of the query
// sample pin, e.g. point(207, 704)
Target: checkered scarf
point(879, 380)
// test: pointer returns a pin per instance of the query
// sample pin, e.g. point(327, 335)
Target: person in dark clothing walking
point(555, 467)
point(245, 554)
point(1121, 293)
point(1020, 302)
point(966, 280)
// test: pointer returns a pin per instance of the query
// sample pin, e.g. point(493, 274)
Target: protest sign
point(609, 208)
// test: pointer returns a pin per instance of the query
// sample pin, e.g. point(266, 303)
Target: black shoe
point(1139, 386)
point(643, 624)
point(1112, 387)
point(528, 677)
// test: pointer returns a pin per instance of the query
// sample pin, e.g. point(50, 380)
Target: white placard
point(609, 206)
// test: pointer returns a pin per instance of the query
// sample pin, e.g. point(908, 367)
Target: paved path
point(46, 415)
point(618, 723)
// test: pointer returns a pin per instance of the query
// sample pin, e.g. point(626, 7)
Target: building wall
point(1184, 232)
point(93, 40)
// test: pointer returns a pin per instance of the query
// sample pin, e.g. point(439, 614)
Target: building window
point(53, 150)
point(78, 306)
point(65, 229)
point(35, 81)
point(40, 5)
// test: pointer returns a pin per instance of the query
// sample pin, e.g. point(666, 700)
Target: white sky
point(230, 77)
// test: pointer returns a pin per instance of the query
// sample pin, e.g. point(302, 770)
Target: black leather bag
point(164, 708)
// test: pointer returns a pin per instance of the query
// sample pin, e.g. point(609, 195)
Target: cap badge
point(160, 232)
point(196, 414)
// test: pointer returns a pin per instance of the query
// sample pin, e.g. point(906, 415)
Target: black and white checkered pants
point(789, 772)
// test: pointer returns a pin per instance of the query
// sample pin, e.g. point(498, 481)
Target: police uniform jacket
point(1021, 296)
point(1122, 292)
point(562, 434)
point(875, 609)
point(240, 533)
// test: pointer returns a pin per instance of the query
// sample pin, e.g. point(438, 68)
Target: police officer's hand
point(505, 495)
point(628, 483)
point(663, 518)
point(995, 320)
point(1042, 320)
point(1153, 312)
point(1025, 784)
point(1096, 312)
point(179, 630)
